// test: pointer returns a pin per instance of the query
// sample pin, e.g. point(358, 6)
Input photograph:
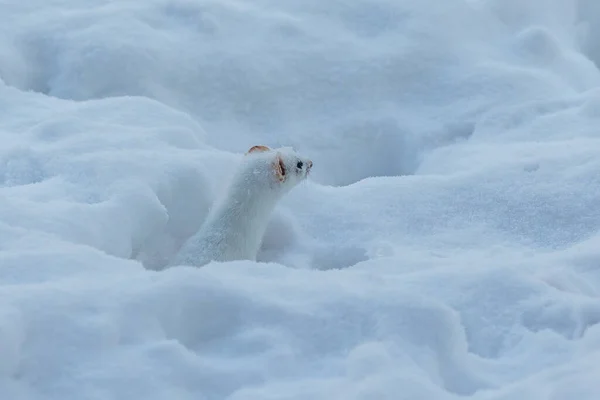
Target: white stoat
point(234, 228)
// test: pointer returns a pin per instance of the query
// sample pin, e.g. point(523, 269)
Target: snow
point(446, 246)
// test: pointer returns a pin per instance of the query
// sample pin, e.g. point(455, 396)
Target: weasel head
point(283, 168)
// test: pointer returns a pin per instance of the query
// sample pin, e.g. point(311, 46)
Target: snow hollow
point(447, 245)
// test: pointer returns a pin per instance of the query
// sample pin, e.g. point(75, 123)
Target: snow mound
point(446, 246)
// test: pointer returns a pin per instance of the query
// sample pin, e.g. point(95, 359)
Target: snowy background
point(447, 245)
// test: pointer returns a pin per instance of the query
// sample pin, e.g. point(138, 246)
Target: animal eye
point(300, 164)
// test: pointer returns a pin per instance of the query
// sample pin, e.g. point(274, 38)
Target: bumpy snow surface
point(446, 246)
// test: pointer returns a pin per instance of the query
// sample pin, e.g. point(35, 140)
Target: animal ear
point(279, 168)
point(259, 148)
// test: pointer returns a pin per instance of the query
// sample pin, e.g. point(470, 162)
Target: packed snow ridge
point(446, 245)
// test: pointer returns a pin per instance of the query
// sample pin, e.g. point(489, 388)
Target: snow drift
point(447, 245)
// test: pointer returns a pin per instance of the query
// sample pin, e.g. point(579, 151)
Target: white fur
point(234, 228)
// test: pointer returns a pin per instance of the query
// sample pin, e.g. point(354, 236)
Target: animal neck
point(246, 210)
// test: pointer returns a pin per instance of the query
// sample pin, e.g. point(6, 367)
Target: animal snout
point(309, 164)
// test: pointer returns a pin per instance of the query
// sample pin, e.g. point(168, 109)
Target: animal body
point(235, 226)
